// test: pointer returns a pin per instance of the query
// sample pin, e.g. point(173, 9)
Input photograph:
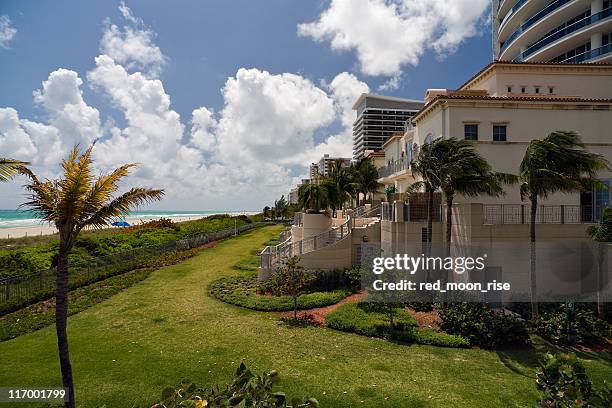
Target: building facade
point(379, 117)
point(552, 31)
point(325, 163)
point(501, 123)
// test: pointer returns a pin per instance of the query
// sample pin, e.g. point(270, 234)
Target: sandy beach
point(46, 229)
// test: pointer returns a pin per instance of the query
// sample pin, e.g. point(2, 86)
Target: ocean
point(16, 218)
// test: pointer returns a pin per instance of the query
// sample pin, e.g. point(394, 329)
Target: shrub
point(338, 278)
point(563, 382)
point(245, 390)
point(482, 326)
point(243, 291)
point(586, 327)
point(367, 319)
point(290, 279)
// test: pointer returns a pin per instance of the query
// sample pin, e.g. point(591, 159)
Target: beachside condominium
point(378, 118)
point(552, 31)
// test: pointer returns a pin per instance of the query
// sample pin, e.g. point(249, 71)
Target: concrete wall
point(314, 224)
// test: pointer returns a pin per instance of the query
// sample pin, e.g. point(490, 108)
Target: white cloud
point(391, 84)
point(389, 34)
point(133, 45)
point(203, 126)
point(242, 157)
point(7, 31)
point(62, 99)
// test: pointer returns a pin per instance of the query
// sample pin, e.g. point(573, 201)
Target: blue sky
point(229, 58)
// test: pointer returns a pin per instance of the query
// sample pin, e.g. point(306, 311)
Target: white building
point(554, 31)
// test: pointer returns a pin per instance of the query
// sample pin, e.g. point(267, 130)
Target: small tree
point(74, 202)
point(601, 234)
point(290, 279)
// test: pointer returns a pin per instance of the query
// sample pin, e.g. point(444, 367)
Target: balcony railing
point(501, 214)
point(597, 52)
point(532, 20)
point(274, 255)
point(412, 212)
point(592, 19)
point(394, 167)
point(511, 12)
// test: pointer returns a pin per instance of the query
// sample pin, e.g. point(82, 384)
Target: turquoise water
point(16, 218)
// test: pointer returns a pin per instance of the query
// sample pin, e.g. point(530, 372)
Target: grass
point(242, 291)
point(42, 314)
point(367, 319)
point(126, 349)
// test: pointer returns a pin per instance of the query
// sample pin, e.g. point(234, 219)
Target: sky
point(223, 104)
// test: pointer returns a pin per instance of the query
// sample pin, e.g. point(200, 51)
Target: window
point(551, 90)
point(470, 131)
point(499, 133)
point(509, 89)
point(537, 89)
point(522, 89)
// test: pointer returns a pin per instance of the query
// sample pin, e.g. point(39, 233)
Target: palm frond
point(9, 168)
point(120, 206)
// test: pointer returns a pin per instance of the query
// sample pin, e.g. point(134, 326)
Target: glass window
point(551, 90)
point(470, 131)
point(499, 133)
point(537, 90)
point(509, 89)
point(522, 89)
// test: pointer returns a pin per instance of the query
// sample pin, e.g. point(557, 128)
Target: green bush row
point(483, 326)
point(92, 245)
point(585, 328)
point(366, 319)
point(243, 291)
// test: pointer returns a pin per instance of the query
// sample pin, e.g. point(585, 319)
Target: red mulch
point(211, 244)
point(317, 315)
point(426, 319)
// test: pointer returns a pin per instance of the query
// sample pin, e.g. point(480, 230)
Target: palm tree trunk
point(430, 200)
point(61, 322)
point(532, 257)
point(449, 222)
point(447, 249)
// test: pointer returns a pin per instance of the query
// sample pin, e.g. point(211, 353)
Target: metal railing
point(593, 18)
point(298, 218)
point(26, 285)
point(411, 212)
point(364, 212)
point(394, 167)
point(500, 214)
point(597, 52)
point(273, 255)
point(531, 21)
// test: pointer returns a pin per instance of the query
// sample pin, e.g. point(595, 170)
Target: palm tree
point(10, 168)
point(463, 171)
point(72, 203)
point(425, 167)
point(341, 178)
point(557, 163)
point(280, 206)
point(365, 177)
point(313, 197)
point(601, 233)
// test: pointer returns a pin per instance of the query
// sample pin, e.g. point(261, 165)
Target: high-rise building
point(313, 171)
point(552, 31)
point(378, 117)
point(325, 163)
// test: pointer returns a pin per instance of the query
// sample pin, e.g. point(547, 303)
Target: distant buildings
point(294, 197)
point(326, 161)
point(379, 117)
point(552, 31)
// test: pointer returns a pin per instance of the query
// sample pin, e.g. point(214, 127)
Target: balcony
point(504, 214)
point(591, 55)
point(531, 21)
point(393, 168)
point(578, 25)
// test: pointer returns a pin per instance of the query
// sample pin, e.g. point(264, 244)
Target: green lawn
point(126, 349)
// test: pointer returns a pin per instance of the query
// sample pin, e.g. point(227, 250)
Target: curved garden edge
point(241, 290)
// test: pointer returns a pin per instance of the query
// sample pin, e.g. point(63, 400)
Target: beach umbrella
point(121, 223)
